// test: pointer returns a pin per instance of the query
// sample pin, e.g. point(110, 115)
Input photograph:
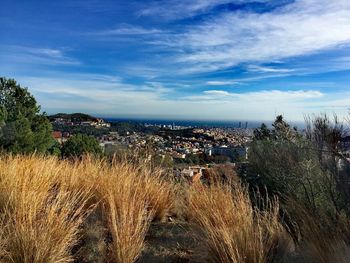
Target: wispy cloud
point(119, 98)
point(215, 59)
point(126, 29)
point(229, 39)
point(261, 69)
point(36, 55)
point(45, 52)
point(217, 92)
point(243, 80)
point(175, 9)
point(264, 95)
point(222, 83)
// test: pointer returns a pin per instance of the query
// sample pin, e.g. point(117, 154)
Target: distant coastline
point(199, 123)
point(178, 122)
point(191, 123)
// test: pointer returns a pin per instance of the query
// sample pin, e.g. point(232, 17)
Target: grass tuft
point(231, 229)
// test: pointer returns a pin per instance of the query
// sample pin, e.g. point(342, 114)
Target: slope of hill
point(75, 117)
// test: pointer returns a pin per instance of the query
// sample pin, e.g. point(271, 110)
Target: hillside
point(75, 117)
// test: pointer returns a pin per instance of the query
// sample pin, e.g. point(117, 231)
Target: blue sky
point(181, 59)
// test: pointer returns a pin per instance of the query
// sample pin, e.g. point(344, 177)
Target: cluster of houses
point(180, 147)
point(61, 137)
point(207, 173)
point(98, 123)
point(208, 142)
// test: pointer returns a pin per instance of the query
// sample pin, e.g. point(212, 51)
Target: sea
point(198, 123)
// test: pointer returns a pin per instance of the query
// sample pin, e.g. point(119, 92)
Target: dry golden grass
point(131, 196)
point(45, 204)
point(128, 220)
point(44, 201)
point(231, 229)
point(126, 205)
point(40, 220)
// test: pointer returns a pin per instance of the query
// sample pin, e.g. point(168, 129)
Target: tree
point(262, 133)
point(79, 145)
point(307, 168)
point(281, 130)
point(23, 129)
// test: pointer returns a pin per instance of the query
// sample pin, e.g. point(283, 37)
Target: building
point(57, 135)
point(193, 173)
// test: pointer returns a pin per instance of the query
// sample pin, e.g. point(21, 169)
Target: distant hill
point(76, 117)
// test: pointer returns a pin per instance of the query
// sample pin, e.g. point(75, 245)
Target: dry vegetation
point(232, 229)
point(99, 211)
point(321, 240)
point(44, 202)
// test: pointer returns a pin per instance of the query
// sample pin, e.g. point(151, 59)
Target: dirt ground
point(170, 243)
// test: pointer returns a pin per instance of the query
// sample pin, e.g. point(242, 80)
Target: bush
point(310, 175)
point(81, 144)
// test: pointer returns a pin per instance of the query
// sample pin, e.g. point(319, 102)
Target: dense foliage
point(123, 127)
point(74, 117)
point(305, 169)
point(83, 129)
point(23, 129)
point(81, 144)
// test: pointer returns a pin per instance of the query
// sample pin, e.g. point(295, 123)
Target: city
point(185, 149)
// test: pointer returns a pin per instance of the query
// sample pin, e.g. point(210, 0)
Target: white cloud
point(281, 95)
point(229, 39)
point(217, 92)
point(35, 55)
point(54, 53)
point(267, 96)
point(178, 9)
point(127, 29)
point(113, 97)
point(261, 69)
point(221, 83)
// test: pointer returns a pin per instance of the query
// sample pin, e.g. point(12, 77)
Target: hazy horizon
point(170, 118)
point(202, 59)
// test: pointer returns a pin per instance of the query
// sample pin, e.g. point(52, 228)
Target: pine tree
point(23, 129)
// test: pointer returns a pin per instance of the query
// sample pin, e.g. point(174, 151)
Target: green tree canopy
point(281, 130)
point(262, 133)
point(79, 145)
point(23, 129)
